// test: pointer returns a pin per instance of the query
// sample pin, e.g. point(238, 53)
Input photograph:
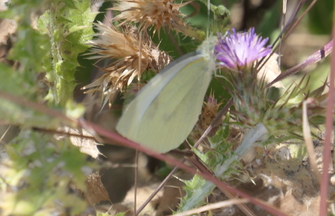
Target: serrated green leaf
point(69, 26)
point(46, 168)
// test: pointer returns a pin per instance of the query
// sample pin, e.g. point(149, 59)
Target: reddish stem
point(328, 135)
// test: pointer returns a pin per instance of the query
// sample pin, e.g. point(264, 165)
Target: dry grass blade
point(241, 205)
point(294, 25)
point(3, 152)
point(4, 134)
point(309, 142)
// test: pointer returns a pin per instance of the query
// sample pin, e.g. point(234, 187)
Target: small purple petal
point(237, 50)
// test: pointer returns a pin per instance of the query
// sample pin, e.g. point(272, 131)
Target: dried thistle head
point(208, 114)
point(153, 13)
point(270, 70)
point(131, 59)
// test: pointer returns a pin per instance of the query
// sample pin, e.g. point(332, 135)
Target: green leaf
point(42, 169)
point(69, 27)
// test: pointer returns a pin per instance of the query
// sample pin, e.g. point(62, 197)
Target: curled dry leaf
point(7, 27)
point(87, 146)
point(270, 70)
point(3, 5)
point(96, 192)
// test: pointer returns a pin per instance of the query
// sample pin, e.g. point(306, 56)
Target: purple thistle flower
point(239, 50)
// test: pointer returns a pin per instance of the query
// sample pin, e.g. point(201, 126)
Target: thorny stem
point(254, 134)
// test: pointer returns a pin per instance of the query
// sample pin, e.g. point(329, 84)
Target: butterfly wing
point(164, 112)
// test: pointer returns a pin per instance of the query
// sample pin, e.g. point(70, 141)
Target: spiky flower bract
point(240, 50)
point(238, 53)
point(131, 58)
point(284, 117)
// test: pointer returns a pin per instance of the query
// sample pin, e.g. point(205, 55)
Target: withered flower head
point(208, 114)
point(131, 59)
point(156, 13)
point(209, 111)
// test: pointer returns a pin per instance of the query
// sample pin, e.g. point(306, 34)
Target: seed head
point(129, 61)
point(156, 13)
point(208, 114)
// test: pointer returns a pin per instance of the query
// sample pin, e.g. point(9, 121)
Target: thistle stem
point(204, 188)
point(256, 133)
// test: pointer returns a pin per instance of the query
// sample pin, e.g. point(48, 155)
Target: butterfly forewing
point(164, 112)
